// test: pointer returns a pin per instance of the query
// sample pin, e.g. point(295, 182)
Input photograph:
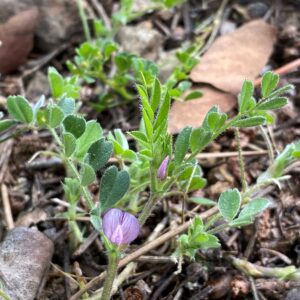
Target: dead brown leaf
point(16, 36)
point(237, 56)
point(230, 60)
point(192, 113)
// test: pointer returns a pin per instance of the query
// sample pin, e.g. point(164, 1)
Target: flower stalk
point(113, 259)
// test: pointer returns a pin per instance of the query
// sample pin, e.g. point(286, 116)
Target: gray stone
point(141, 40)
point(25, 256)
point(59, 20)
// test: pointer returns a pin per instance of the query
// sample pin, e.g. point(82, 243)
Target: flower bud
point(162, 170)
point(120, 227)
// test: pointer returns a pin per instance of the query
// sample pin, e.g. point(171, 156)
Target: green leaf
point(140, 137)
point(67, 105)
point(155, 95)
point(197, 183)
point(20, 109)
point(282, 90)
point(163, 111)
point(250, 122)
point(182, 144)
point(240, 222)
point(274, 103)
point(69, 143)
point(87, 175)
point(99, 153)
point(229, 204)
point(269, 83)
point(145, 104)
point(202, 201)
point(6, 124)
point(129, 155)
point(254, 207)
point(210, 242)
point(75, 125)
point(246, 95)
point(54, 116)
point(213, 120)
point(147, 124)
point(92, 133)
point(113, 187)
point(121, 139)
point(193, 95)
point(56, 82)
point(199, 139)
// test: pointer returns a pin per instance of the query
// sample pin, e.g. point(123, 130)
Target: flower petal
point(130, 227)
point(111, 221)
point(162, 170)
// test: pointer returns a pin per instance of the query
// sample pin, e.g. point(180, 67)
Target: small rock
point(16, 36)
point(59, 20)
point(257, 10)
point(141, 40)
point(37, 86)
point(293, 294)
point(25, 255)
point(167, 62)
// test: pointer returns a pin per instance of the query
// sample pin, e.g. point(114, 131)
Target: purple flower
point(120, 227)
point(162, 170)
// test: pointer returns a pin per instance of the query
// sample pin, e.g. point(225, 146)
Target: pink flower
point(120, 227)
point(162, 170)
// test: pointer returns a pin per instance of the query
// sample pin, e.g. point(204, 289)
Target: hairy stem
point(113, 259)
point(241, 160)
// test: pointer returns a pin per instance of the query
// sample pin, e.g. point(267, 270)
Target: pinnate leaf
point(75, 125)
point(250, 122)
point(269, 83)
point(87, 174)
point(254, 207)
point(182, 144)
point(69, 143)
point(99, 153)
point(92, 133)
point(20, 109)
point(229, 204)
point(113, 186)
point(246, 95)
point(274, 103)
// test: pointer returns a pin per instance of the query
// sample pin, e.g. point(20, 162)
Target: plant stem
point(113, 259)
point(241, 160)
point(84, 20)
point(86, 194)
point(146, 212)
point(4, 296)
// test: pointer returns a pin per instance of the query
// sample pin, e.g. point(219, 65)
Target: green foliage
point(61, 87)
point(113, 186)
point(20, 109)
point(285, 158)
point(75, 125)
point(99, 153)
point(182, 144)
point(229, 204)
point(269, 83)
point(196, 238)
point(245, 97)
point(87, 174)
